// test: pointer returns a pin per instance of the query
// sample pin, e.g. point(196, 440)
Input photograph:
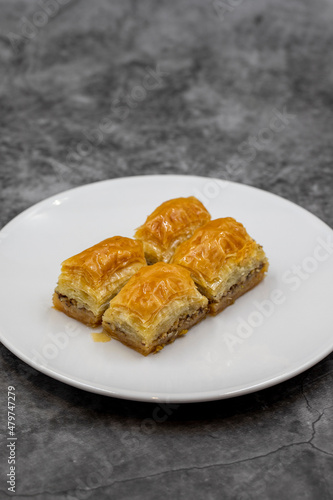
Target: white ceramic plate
point(272, 333)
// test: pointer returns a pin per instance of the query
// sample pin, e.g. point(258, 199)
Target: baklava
point(158, 304)
point(224, 261)
point(169, 225)
point(90, 279)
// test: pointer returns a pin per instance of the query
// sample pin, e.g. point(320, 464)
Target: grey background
point(225, 70)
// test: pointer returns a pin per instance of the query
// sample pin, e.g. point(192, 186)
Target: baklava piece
point(90, 279)
point(169, 225)
point(224, 261)
point(157, 305)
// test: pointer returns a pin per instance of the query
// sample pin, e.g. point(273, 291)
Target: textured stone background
point(223, 72)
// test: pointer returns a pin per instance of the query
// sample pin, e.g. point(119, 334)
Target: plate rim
point(155, 176)
point(180, 398)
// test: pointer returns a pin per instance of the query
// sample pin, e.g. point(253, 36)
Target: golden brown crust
point(90, 279)
point(150, 303)
point(153, 288)
point(219, 255)
point(212, 245)
point(169, 225)
point(105, 258)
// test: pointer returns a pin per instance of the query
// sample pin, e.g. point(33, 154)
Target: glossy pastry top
point(214, 247)
point(171, 222)
point(153, 288)
point(105, 258)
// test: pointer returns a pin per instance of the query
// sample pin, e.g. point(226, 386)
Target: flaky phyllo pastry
point(169, 225)
point(224, 261)
point(90, 279)
point(159, 303)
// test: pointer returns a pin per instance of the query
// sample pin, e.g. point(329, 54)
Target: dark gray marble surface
point(239, 90)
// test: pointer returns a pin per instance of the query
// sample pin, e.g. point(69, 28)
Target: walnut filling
point(179, 327)
point(74, 310)
point(70, 302)
point(247, 278)
point(250, 281)
point(183, 323)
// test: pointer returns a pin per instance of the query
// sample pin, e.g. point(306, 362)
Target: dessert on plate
point(90, 279)
point(170, 224)
point(224, 261)
point(159, 303)
point(197, 266)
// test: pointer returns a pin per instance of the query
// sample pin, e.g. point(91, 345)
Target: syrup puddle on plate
point(100, 336)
